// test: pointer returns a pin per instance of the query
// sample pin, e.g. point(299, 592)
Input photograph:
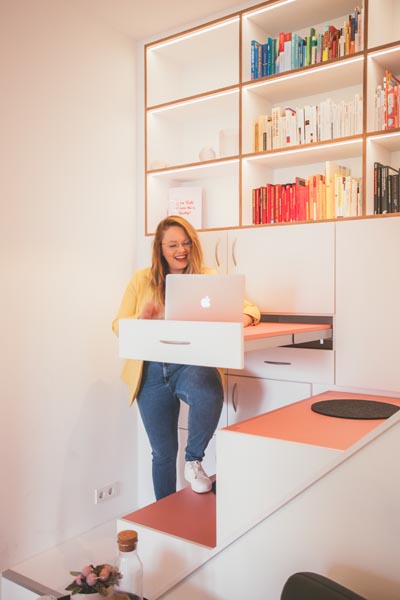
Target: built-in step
point(185, 514)
point(167, 557)
point(176, 535)
point(278, 454)
point(262, 463)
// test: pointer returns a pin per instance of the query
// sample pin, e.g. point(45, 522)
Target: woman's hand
point(151, 311)
point(247, 320)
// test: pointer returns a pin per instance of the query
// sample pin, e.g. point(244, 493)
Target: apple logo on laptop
point(205, 302)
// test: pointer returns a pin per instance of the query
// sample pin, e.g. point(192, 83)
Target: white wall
point(67, 239)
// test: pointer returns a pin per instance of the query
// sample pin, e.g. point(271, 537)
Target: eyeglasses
point(175, 245)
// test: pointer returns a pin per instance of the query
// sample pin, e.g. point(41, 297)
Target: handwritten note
point(186, 202)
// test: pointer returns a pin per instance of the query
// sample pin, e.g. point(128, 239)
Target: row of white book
point(348, 198)
point(287, 126)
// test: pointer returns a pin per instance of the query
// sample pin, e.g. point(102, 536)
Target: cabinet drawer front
point(182, 342)
point(250, 396)
point(290, 364)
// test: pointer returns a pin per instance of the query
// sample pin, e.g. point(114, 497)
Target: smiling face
point(176, 247)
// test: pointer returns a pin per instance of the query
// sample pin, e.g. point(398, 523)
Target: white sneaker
point(197, 477)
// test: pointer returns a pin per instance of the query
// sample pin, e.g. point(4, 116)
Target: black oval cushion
point(355, 409)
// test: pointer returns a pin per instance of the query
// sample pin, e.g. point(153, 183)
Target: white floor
point(51, 569)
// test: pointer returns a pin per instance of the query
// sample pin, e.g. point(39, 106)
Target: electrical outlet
point(106, 493)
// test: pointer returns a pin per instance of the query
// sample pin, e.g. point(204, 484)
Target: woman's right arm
point(137, 302)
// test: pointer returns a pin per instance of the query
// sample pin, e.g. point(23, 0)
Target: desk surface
point(267, 330)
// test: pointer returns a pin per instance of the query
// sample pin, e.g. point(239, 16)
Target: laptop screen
point(204, 297)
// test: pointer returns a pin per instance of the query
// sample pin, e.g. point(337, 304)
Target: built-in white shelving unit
point(201, 107)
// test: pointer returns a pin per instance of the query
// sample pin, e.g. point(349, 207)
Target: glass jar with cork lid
point(130, 585)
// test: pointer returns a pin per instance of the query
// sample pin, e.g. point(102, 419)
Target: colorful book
point(302, 199)
point(291, 126)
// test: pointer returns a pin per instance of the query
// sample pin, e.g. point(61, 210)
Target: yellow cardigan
point(137, 295)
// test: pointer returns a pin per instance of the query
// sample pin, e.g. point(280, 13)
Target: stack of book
point(291, 51)
point(386, 189)
point(331, 195)
point(287, 126)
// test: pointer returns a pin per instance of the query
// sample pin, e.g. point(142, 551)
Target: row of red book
point(387, 103)
point(318, 197)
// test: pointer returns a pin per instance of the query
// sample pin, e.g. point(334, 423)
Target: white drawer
point(290, 364)
point(248, 397)
point(182, 342)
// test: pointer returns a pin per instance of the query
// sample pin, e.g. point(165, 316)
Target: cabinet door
point(367, 304)
point(250, 396)
point(214, 244)
point(288, 269)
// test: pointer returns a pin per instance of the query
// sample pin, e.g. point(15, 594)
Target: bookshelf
point(201, 107)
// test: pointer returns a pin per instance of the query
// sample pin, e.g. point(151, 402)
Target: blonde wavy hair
point(159, 266)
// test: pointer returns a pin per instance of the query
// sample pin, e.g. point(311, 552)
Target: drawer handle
point(276, 362)
point(175, 342)
point(233, 252)
point(217, 253)
point(234, 397)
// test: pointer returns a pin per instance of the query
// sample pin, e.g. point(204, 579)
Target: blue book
point(264, 61)
point(269, 56)
point(254, 59)
point(296, 42)
point(301, 52)
point(272, 60)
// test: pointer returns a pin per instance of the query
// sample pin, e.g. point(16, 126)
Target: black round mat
point(355, 409)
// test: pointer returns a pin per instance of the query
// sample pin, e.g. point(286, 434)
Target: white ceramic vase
point(207, 153)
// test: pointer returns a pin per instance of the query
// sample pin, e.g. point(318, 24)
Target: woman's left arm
point(251, 314)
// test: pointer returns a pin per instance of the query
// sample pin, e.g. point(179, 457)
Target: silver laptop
point(204, 297)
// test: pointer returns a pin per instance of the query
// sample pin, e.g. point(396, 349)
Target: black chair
point(311, 586)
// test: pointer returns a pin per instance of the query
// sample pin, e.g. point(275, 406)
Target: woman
point(159, 387)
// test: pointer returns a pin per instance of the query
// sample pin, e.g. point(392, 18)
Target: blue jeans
point(163, 385)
